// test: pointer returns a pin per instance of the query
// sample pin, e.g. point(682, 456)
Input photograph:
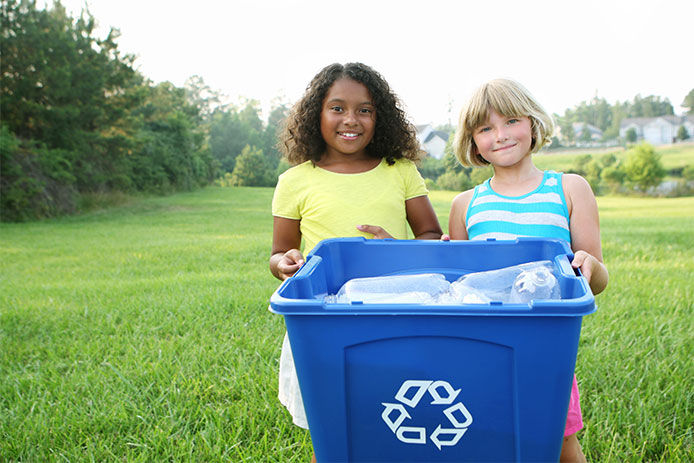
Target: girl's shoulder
point(402, 166)
point(292, 180)
point(462, 200)
point(297, 170)
point(405, 166)
point(402, 163)
point(577, 191)
point(574, 183)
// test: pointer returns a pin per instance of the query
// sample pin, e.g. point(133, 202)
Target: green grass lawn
point(141, 333)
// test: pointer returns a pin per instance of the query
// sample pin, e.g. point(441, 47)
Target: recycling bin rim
point(573, 307)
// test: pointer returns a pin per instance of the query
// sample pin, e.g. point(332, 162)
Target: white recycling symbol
point(442, 393)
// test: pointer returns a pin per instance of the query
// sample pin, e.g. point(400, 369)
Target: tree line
point(78, 121)
point(640, 171)
point(607, 117)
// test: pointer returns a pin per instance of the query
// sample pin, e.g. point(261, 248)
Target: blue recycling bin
point(433, 383)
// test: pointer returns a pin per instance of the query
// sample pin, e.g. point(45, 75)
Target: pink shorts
point(574, 420)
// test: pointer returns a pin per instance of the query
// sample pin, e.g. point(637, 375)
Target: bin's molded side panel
point(525, 364)
point(399, 388)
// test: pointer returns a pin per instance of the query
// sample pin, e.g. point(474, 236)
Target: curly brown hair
point(394, 137)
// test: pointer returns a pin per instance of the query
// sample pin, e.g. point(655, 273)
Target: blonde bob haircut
point(509, 99)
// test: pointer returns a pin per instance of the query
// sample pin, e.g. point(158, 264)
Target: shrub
point(453, 181)
point(479, 175)
point(35, 182)
point(613, 177)
point(643, 168)
point(252, 169)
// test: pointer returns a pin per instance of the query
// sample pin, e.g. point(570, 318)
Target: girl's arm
point(422, 218)
point(286, 240)
point(456, 218)
point(585, 231)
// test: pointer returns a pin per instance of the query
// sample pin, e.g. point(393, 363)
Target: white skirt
point(289, 392)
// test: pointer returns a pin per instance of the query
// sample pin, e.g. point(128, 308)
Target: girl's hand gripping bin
point(411, 382)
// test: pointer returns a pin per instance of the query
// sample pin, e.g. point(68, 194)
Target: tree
point(613, 176)
point(593, 171)
point(566, 128)
point(200, 96)
point(231, 130)
point(431, 167)
point(650, 106)
point(619, 112)
point(277, 116)
point(586, 136)
point(454, 181)
point(631, 135)
point(450, 162)
point(481, 174)
point(682, 133)
point(580, 163)
point(688, 102)
point(84, 120)
point(643, 168)
point(252, 169)
point(608, 160)
point(596, 112)
point(170, 153)
point(65, 88)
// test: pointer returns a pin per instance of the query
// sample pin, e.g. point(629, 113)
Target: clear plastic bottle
point(535, 283)
point(423, 288)
point(498, 285)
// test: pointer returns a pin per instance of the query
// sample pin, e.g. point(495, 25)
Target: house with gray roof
point(580, 129)
point(433, 142)
point(659, 130)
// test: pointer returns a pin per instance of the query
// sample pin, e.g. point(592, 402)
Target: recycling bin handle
point(564, 264)
point(307, 269)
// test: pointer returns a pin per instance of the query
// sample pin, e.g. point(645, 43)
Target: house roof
point(437, 133)
point(640, 121)
point(643, 121)
point(580, 126)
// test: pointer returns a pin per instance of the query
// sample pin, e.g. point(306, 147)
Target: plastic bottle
point(534, 283)
point(421, 288)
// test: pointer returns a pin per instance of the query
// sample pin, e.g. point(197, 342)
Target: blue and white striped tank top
point(542, 212)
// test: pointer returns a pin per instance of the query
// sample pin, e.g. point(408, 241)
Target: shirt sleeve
point(414, 183)
point(285, 202)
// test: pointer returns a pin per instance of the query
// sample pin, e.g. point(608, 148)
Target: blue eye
point(513, 121)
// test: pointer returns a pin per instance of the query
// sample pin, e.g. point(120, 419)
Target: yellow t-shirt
point(331, 205)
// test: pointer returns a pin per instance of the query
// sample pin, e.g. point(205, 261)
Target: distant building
point(657, 130)
point(433, 142)
point(581, 127)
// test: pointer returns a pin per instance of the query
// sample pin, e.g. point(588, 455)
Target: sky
point(433, 53)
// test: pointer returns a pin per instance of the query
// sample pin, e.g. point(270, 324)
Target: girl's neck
point(348, 164)
point(516, 180)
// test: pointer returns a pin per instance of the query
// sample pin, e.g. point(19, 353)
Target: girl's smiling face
point(348, 118)
point(503, 141)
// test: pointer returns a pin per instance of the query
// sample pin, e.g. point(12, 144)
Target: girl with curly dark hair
point(394, 137)
point(353, 151)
